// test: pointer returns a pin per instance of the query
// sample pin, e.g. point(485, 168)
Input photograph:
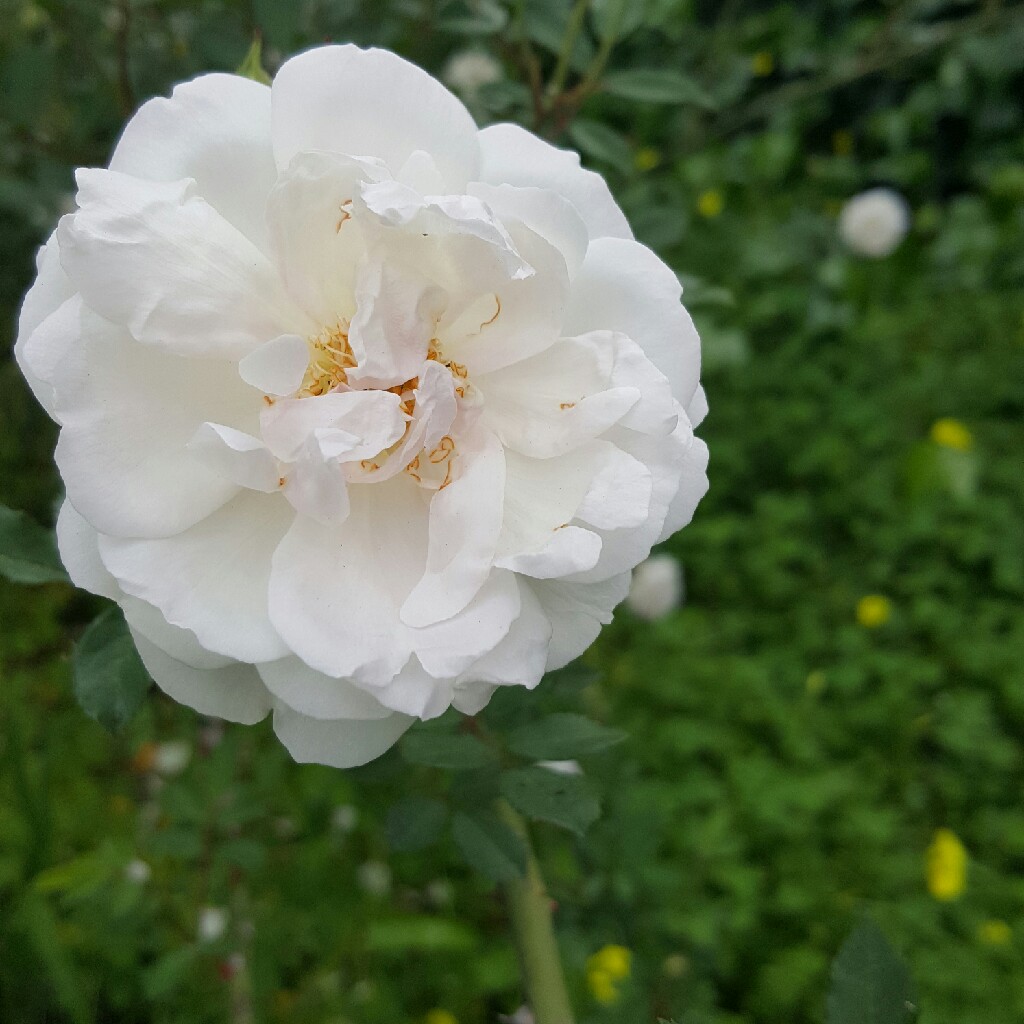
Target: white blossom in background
point(657, 587)
point(874, 222)
point(138, 872)
point(364, 411)
point(469, 71)
point(344, 818)
point(171, 758)
point(561, 767)
point(212, 924)
point(374, 877)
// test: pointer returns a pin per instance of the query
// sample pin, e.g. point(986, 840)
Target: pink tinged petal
point(277, 367)
point(622, 286)
point(159, 259)
point(215, 129)
point(49, 291)
point(212, 579)
point(77, 544)
point(342, 99)
point(180, 644)
point(465, 520)
point(396, 317)
point(234, 692)
point(335, 593)
point(577, 611)
point(236, 456)
point(510, 155)
point(128, 413)
point(568, 550)
point(311, 693)
point(544, 212)
point(693, 485)
point(316, 241)
point(340, 743)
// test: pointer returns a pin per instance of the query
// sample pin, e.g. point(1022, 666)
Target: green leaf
point(28, 553)
point(489, 846)
point(419, 933)
point(661, 85)
point(252, 65)
point(110, 679)
point(870, 983)
point(599, 141)
point(478, 19)
point(446, 750)
point(558, 737)
point(414, 823)
point(565, 800)
point(170, 973)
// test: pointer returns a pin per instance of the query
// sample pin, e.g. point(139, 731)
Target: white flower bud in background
point(439, 893)
point(874, 222)
point(561, 767)
point(470, 70)
point(524, 1015)
point(212, 923)
point(138, 871)
point(374, 877)
point(657, 587)
point(171, 759)
point(344, 818)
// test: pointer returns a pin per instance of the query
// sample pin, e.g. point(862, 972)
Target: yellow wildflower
point(873, 610)
point(647, 158)
point(994, 933)
point(762, 64)
point(602, 987)
point(950, 433)
point(710, 203)
point(946, 866)
point(842, 143)
point(438, 1016)
point(606, 968)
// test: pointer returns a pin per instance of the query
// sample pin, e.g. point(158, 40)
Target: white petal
point(181, 644)
point(577, 611)
point(312, 693)
point(566, 551)
point(234, 693)
point(619, 496)
point(340, 743)
point(698, 407)
point(77, 544)
point(213, 578)
point(215, 129)
point(420, 173)
point(236, 456)
point(159, 259)
point(510, 155)
point(465, 520)
point(622, 286)
point(693, 485)
point(341, 99)
point(278, 366)
point(44, 352)
point(315, 486)
point(414, 691)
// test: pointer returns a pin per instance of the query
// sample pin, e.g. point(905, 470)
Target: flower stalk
point(529, 909)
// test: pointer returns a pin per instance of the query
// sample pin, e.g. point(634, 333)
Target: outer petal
point(180, 644)
point(234, 692)
point(311, 693)
point(342, 99)
point(693, 485)
point(215, 129)
point(159, 259)
point(213, 578)
point(510, 155)
point(77, 544)
point(340, 743)
point(622, 286)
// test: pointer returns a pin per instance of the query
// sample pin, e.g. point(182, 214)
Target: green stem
point(530, 913)
point(572, 30)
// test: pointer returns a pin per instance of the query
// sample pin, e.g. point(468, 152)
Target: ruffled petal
point(341, 743)
point(311, 693)
point(77, 543)
point(237, 456)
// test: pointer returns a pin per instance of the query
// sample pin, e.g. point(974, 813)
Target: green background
point(752, 816)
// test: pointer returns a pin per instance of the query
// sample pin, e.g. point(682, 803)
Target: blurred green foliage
point(787, 766)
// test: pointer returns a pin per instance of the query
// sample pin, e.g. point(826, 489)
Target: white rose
point(874, 222)
point(364, 411)
point(657, 587)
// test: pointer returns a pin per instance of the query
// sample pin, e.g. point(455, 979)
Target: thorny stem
point(529, 909)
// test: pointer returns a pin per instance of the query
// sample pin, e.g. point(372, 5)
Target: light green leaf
point(656, 85)
point(252, 65)
point(489, 846)
point(110, 679)
point(414, 823)
point(474, 20)
point(28, 553)
point(419, 933)
point(558, 737)
point(599, 141)
point(565, 800)
point(870, 983)
point(446, 750)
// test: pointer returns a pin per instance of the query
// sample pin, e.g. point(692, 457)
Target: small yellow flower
point(647, 158)
point(950, 433)
point(873, 610)
point(602, 987)
point(946, 866)
point(994, 933)
point(438, 1016)
point(606, 968)
point(842, 143)
point(815, 682)
point(762, 63)
point(710, 203)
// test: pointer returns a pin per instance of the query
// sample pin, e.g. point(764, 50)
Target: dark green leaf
point(446, 750)
point(656, 85)
point(565, 800)
point(489, 846)
point(414, 823)
point(599, 141)
point(28, 553)
point(252, 65)
point(170, 973)
point(562, 736)
point(110, 679)
point(870, 983)
point(572, 678)
point(474, 20)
